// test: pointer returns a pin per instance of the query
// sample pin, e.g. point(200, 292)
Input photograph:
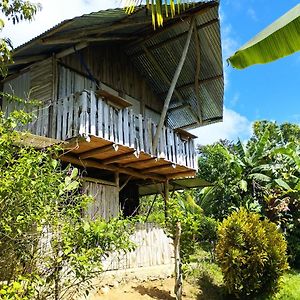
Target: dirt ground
point(149, 290)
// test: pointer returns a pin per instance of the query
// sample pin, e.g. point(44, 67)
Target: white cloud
point(229, 45)
point(53, 12)
point(252, 14)
point(233, 126)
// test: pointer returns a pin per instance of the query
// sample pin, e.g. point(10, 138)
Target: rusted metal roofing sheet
point(164, 44)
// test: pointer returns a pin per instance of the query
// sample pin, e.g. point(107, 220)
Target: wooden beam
point(172, 87)
point(89, 163)
point(166, 197)
point(97, 180)
point(133, 163)
point(158, 68)
point(183, 174)
point(125, 183)
point(69, 40)
point(158, 168)
point(99, 150)
point(27, 59)
point(116, 158)
point(71, 50)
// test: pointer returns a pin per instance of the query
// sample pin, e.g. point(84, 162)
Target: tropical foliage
point(15, 11)
point(251, 254)
point(48, 244)
point(262, 175)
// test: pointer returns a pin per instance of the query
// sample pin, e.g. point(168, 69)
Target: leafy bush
point(251, 253)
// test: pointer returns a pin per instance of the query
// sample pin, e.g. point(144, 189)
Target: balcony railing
point(86, 114)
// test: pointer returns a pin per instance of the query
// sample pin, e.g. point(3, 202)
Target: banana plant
point(278, 40)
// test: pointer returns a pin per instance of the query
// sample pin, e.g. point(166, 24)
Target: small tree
point(48, 247)
point(251, 253)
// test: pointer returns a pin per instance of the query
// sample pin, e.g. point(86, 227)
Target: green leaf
point(72, 186)
point(260, 177)
point(54, 163)
point(282, 184)
point(74, 173)
point(278, 40)
point(243, 185)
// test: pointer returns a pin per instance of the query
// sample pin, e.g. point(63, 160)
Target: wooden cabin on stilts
point(121, 97)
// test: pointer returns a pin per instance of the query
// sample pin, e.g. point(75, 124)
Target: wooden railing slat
point(100, 118)
point(93, 112)
point(141, 135)
point(85, 114)
point(126, 128)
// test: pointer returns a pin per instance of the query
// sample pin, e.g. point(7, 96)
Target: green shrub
point(251, 254)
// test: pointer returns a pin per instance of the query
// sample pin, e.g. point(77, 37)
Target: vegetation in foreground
point(207, 276)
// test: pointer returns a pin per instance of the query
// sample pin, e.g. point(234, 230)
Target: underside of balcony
point(98, 153)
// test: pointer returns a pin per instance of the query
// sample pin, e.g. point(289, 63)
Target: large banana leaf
point(279, 39)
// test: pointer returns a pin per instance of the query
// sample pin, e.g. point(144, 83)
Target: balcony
point(101, 133)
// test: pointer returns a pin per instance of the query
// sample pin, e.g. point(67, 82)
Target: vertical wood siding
point(106, 204)
point(70, 82)
point(153, 248)
point(42, 81)
point(113, 67)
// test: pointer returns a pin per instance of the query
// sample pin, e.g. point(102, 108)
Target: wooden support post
point(125, 183)
point(172, 87)
point(178, 269)
point(117, 180)
point(166, 197)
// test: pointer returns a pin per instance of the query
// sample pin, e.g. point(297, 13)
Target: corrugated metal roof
point(165, 45)
point(177, 184)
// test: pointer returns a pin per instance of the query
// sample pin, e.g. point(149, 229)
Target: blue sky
point(268, 91)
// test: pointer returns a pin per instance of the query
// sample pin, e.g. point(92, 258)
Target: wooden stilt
point(166, 197)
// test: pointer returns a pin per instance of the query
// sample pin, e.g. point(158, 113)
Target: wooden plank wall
point(153, 248)
point(112, 66)
point(42, 81)
point(70, 82)
point(153, 245)
point(106, 202)
point(34, 83)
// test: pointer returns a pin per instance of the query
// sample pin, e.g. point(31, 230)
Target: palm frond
point(159, 8)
